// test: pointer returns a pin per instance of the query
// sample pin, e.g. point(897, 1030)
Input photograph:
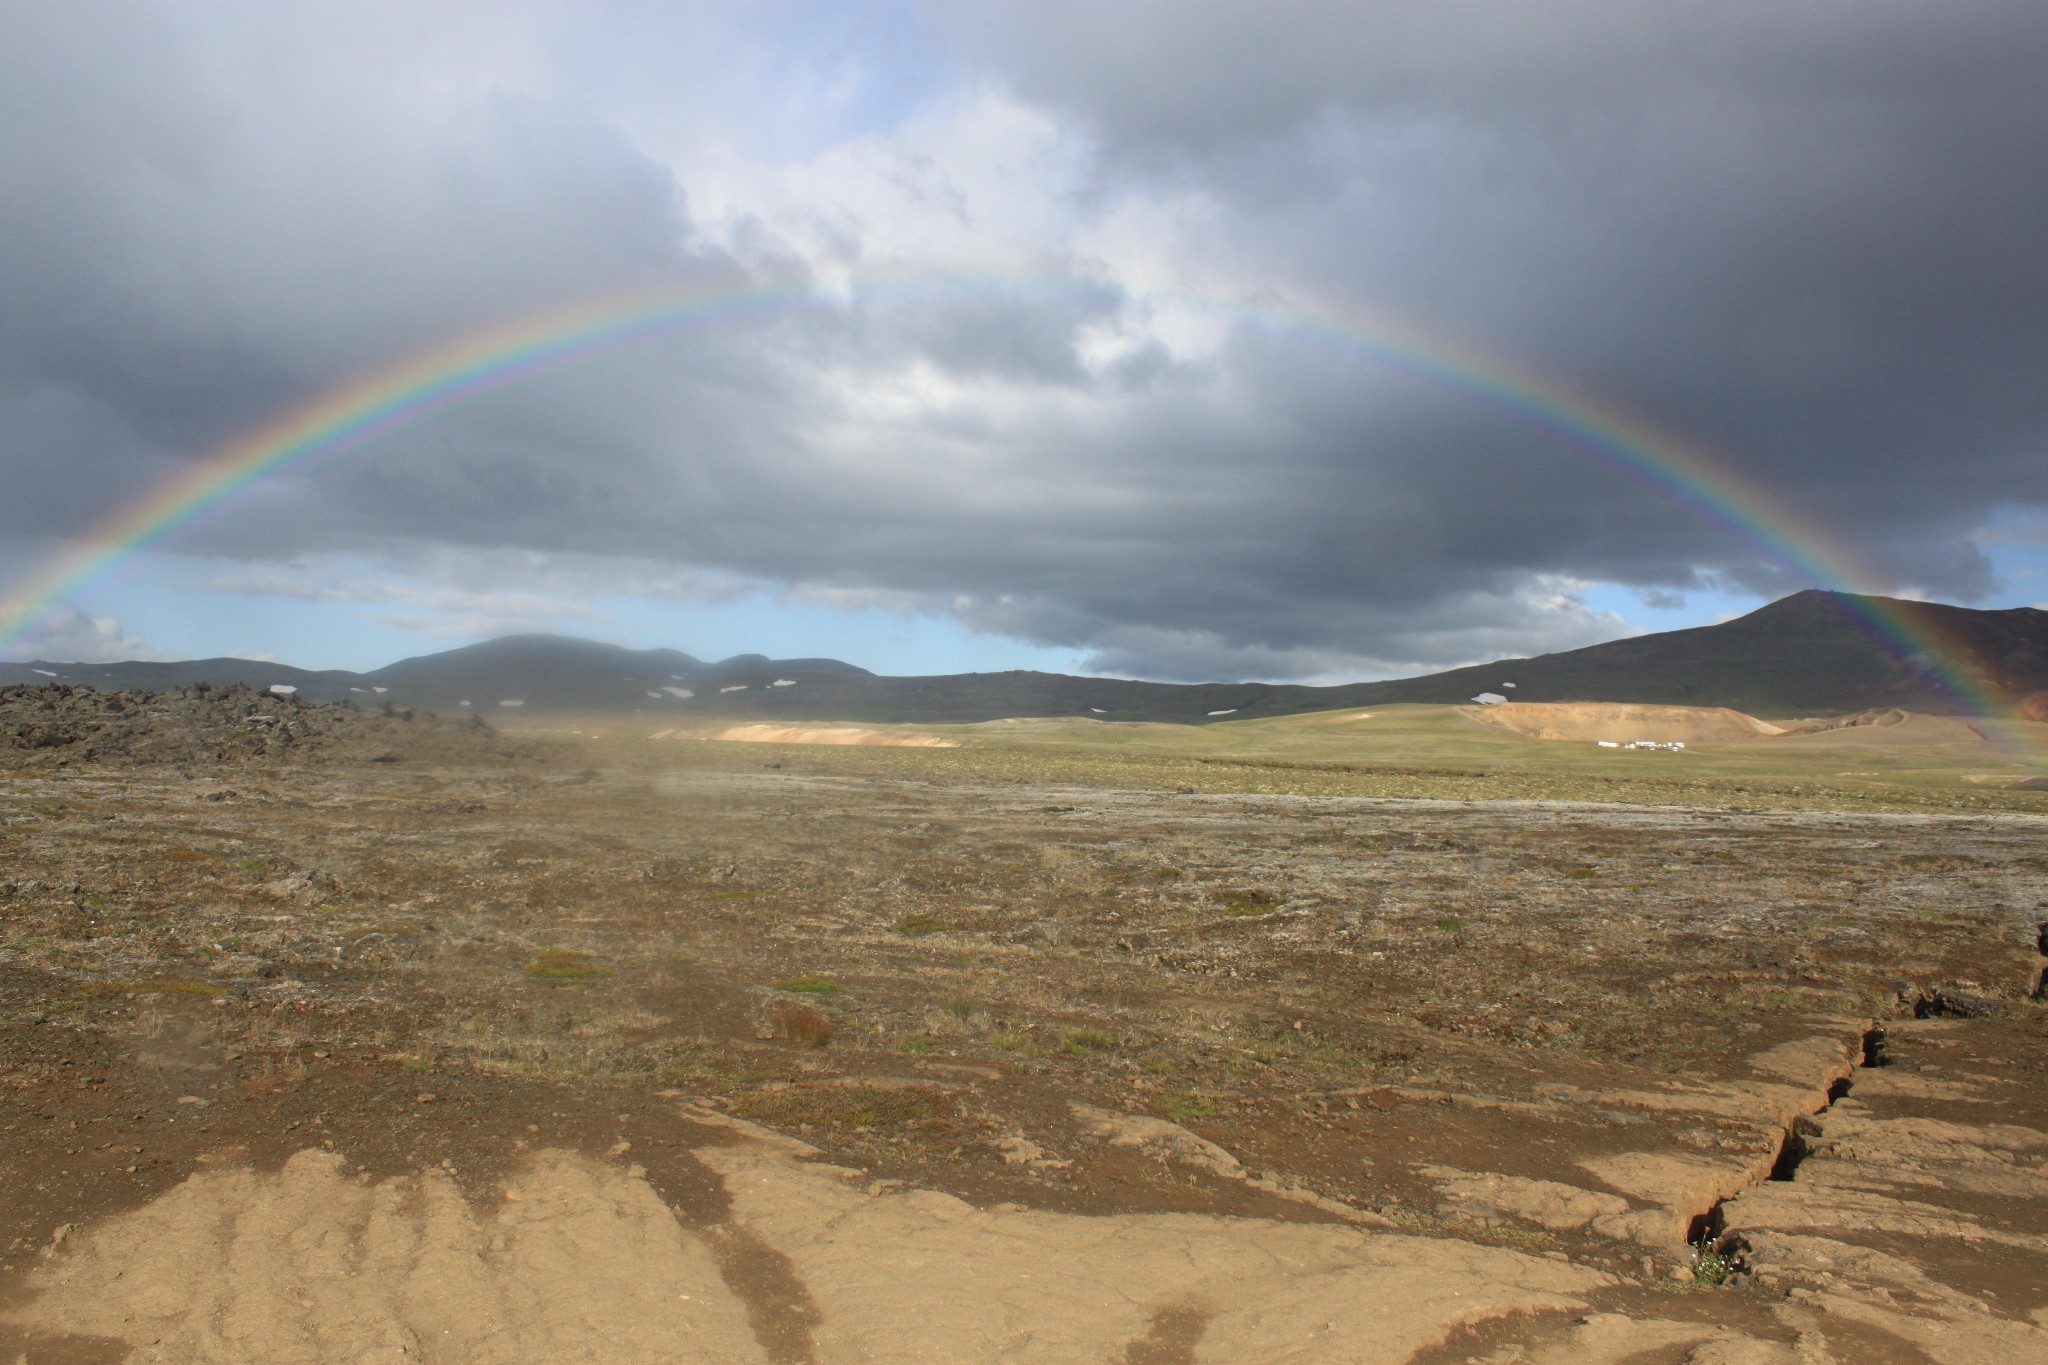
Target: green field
point(1438, 752)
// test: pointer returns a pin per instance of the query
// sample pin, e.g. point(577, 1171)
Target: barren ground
point(478, 1050)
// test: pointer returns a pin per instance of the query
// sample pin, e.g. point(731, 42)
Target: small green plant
point(1248, 901)
point(918, 1045)
point(810, 985)
point(1451, 924)
point(559, 964)
point(1157, 1065)
point(1711, 1266)
point(802, 1025)
point(960, 1007)
point(1009, 1040)
point(1583, 873)
point(250, 865)
point(1083, 1041)
point(1187, 1108)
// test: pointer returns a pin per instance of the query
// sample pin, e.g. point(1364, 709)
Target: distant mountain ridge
point(1807, 654)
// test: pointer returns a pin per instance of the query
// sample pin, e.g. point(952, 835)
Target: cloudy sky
point(1058, 351)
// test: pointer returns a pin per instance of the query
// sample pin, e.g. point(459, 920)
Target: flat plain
point(1387, 1037)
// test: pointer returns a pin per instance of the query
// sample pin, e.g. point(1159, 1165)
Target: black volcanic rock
point(1813, 653)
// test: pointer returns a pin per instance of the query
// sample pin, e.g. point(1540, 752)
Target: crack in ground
point(1706, 1231)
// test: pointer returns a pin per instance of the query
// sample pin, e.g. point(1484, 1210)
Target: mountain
point(1808, 654)
point(1811, 653)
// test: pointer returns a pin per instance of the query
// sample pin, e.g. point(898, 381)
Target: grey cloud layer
point(1807, 235)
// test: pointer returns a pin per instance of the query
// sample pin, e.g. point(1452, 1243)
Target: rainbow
point(482, 362)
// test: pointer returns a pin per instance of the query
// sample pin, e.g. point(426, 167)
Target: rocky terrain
point(730, 1051)
point(59, 725)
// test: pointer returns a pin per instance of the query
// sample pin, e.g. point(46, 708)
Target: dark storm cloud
point(211, 215)
point(1807, 236)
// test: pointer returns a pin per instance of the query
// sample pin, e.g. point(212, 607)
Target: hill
point(1808, 654)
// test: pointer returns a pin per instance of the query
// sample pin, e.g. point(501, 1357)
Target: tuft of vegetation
point(960, 1007)
point(560, 964)
point(846, 1106)
point(1711, 1266)
point(1451, 924)
point(802, 1025)
point(1248, 901)
point(1187, 1108)
point(811, 985)
point(1083, 1041)
point(917, 926)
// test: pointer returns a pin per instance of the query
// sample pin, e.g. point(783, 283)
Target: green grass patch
point(1084, 1041)
point(1188, 1108)
point(559, 964)
point(1247, 901)
point(1451, 924)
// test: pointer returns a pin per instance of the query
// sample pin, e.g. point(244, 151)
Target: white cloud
point(68, 635)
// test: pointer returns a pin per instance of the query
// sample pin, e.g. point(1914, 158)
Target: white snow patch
point(1098, 711)
point(736, 687)
point(380, 690)
point(511, 703)
point(783, 682)
point(679, 693)
point(1607, 744)
point(655, 695)
point(1507, 684)
point(283, 689)
point(1489, 699)
point(44, 671)
point(1231, 712)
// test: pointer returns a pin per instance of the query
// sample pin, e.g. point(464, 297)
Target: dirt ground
point(496, 1051)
